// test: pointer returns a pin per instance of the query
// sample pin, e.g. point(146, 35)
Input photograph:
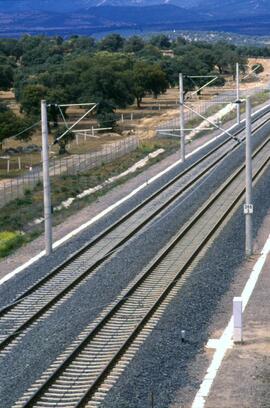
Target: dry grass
point(264, 77)
point(6, 96)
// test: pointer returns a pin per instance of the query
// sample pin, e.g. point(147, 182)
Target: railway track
point(38, 300)
point(82, 375)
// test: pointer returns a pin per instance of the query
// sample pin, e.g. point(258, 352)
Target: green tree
point(11, 125)
point(226, 57)
point(79, 44)
point(6, 77)
point(134, 44)
point(107, 80)
point(148, 78)
point(31, 98)
point(172, 67)
point(160, 41)
point(112, 42)
point(150, 53)
point(63, 141)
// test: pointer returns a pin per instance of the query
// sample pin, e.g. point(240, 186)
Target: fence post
point(54, 167)
point(79, 162)
point(4, 188)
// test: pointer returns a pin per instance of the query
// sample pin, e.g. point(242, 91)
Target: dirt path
point(244, 377)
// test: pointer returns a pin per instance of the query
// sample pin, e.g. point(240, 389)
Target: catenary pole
point(46, 179)
point(248, 208)
point(182, 119)
point(238, 106)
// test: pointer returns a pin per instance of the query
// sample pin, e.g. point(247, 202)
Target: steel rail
point(100, 236)
point(8, 339)
point(92, 389)
point(27, 323)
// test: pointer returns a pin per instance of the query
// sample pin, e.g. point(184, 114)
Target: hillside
point(239, 8)
point(67, 17)
point(73, 5)
point(95, 18)
point(207, 7)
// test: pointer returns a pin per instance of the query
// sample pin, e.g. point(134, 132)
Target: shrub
point(9, 241)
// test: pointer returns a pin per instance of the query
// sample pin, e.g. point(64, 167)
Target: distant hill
point(75, 5)
point(234, 8)
point(140, 3)
point(207, 7)
point(94, 18)
point(67, 17)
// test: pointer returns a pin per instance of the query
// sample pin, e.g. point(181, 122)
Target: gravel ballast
point(165, 367)
point(40, 346)
point(13, 288)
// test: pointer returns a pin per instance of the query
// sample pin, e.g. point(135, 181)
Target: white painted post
point(122, 117)
point(77, 138)
point(46, 179)
point(237, 320)
point(182, 121)
point(248, 207)
point(238, 105)
point(19, 163)
point(183, 336)
point(8, 165)
point(131, 116)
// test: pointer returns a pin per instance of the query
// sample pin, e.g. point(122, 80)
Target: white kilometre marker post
point(248, 207)
point(238, 105)
point(46, 180)
point(182, 118)
point(237, 320)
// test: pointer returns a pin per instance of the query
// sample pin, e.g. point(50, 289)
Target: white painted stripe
point(112, 207)
point(22, 267)
point(225, 342)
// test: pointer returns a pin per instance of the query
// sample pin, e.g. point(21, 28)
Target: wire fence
point(31, 173)
point(69, 165)
point(201, 107)
point(208, 108)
